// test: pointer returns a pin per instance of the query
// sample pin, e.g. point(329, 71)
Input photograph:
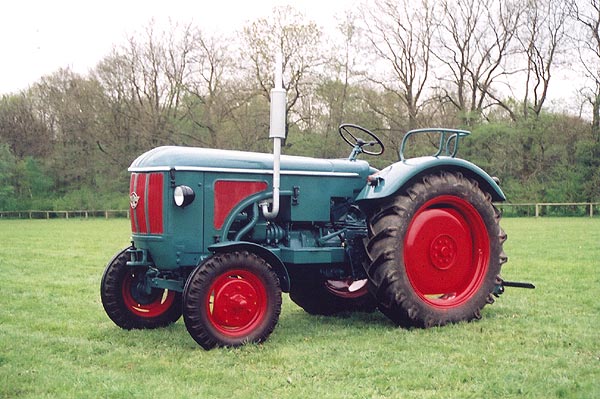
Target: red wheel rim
point(236, 302)
point(142, 304)
point(446, 251)
point(343, 288)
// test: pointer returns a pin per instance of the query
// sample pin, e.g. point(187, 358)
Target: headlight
point(183, 196)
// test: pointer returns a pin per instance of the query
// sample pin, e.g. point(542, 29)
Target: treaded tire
point(130, 308)
point(231, 299)
point(436, 252)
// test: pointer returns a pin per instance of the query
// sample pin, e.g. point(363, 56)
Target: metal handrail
point(448, 145)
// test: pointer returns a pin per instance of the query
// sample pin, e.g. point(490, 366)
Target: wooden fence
point(34, 214)
point(538, 209)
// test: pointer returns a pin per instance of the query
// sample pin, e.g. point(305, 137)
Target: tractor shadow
point(295, 323)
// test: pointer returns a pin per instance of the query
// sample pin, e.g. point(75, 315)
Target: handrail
point(447, 138)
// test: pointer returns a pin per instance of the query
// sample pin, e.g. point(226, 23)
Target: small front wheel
point(127, 302)
point(231, 299)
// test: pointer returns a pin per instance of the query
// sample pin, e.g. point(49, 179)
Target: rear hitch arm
point(500, 284)
point(517, 284)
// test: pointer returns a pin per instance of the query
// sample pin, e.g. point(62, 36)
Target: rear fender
point(390, 180)
point(272, 259)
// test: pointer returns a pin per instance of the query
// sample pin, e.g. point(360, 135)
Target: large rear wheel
point(329, 297)
point(231, 299)
point(436, 252)
point(129, 304)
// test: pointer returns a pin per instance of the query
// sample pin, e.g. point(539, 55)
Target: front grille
point(146, 203)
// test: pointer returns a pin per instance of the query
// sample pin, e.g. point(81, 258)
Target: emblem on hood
point(133, 200)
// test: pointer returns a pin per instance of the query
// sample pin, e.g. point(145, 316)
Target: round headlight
point(183, 196)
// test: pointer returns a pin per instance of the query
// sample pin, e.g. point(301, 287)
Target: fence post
point(537, 210)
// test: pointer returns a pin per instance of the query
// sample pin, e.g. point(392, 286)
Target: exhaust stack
point(277, 133)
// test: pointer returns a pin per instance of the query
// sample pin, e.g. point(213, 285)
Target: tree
point(401, 34)
point(145, 84)
point(541, 36)
point(299, 42)
point(21, 128)
point(211, 96)
point(588, 17)
point(474, 39)
point(7, 162)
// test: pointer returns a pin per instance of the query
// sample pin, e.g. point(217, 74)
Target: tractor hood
point(211, 160)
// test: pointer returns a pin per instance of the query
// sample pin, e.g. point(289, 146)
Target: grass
point(56, 341)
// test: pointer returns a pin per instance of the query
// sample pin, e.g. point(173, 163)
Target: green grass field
point(57, 342)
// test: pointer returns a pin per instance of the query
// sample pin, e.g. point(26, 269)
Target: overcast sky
point(37, 37)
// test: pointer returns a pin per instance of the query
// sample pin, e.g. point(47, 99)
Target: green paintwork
point(395, 176)
point(308, 188)
point(189, 232)
point(192, 158)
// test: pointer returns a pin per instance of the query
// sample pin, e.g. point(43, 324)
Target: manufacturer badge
point(133, 200)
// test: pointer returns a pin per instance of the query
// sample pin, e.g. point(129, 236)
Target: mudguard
point(271, 258)
point(388, 181)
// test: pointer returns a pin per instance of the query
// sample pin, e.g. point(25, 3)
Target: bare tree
point(588, 16)
point(541, 36)
point(211, 101)
point(21, 128)
point(298, 40)
point(401, 34)
point(475, 37)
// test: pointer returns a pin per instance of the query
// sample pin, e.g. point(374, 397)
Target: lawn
point(57, 342)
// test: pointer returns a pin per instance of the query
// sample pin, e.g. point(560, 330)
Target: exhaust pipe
point(277, 133)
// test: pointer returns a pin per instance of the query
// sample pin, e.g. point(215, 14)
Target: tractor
point(219, 235)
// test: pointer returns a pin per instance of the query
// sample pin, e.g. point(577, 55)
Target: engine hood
point(205, 159)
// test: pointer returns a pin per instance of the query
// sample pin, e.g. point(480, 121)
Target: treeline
point(482, 65)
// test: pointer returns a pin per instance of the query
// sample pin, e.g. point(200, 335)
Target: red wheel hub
point(443, 251)
point(141, 303)
point(446, 251)
point(236, 302)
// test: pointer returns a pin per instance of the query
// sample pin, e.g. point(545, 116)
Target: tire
point(331, 297)
point(127, 305)
point(436, 252)
point(231, 299)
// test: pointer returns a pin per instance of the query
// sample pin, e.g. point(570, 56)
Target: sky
point(38, 37)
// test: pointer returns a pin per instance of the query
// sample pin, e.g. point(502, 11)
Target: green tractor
point(219, 235)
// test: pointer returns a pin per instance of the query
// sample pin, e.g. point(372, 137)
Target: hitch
point(517, 284)
point(500, 284)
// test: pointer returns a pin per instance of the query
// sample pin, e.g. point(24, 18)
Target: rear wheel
point(128, 304)
point(436, 252)
point(231, 299)
point(329, 297)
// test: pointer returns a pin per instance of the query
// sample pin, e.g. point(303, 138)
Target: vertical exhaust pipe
point(277, 133)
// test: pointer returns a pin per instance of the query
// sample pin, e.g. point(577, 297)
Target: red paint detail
point(446, 251)
point(150, 203)
point(131, 210)
point(142, 304)
point(140, 210)
point(155, 203)
point(236, 302)
point(228, 193)
point(341, 288)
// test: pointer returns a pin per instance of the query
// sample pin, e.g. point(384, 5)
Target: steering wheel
point(358, 143)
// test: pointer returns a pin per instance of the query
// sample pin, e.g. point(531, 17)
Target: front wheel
point(436, 252)
point(128, 304)
point(231, 299)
